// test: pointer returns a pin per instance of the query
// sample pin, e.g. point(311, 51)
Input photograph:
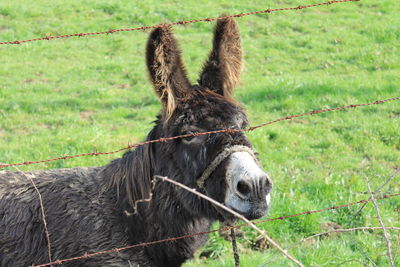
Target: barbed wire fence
point(181, 22)
point(229, 130)
point(374, 194)
point(171, 239)
point(166, 139)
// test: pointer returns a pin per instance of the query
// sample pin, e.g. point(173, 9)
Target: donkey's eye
point(193, 138)
point(189, 138)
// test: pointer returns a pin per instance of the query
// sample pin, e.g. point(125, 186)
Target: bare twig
point(234, 248)
point(29, 177)
point(143, 200)
point(252, 225)
point(397, 246)
point(344, 231)
point(363, 252)
point(385, 234)
point(396, 172)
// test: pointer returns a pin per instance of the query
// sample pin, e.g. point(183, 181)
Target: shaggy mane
point(132, 174)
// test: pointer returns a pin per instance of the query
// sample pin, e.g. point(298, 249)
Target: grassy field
point(92, 94)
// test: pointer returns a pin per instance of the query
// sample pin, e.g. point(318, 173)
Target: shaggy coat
point(99, 208)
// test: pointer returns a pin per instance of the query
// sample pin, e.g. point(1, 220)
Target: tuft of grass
point(91, 94)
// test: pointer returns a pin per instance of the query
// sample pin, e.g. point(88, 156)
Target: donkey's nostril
point(243, 188)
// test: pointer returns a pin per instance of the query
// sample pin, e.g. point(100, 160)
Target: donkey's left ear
point(221, 72)
point(166, 68)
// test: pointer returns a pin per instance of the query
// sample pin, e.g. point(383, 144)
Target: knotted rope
point(221, 157)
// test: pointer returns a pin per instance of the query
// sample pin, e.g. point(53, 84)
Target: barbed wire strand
point(181, 22)
point(166, 139)
point(249, 129)
point(326, 209)
point(116, 250)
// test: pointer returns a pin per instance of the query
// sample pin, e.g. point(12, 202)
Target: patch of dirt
point(45, 125)
point(44, 80)
point(226, 233)
point(121, 86)
point(260, 244)
point(86, 115)
point(299, 121)
point(330, 226)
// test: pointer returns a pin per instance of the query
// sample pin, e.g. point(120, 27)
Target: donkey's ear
point(166, 69)
point(221, 72)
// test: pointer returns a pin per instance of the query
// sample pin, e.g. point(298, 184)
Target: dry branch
point(344, 231)
point(29, 177)
point(234, 248)
point(397, 171)
point(249, 223)
point(385, 234)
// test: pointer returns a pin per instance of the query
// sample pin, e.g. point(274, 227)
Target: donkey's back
point(17, 187)
point(79, 217)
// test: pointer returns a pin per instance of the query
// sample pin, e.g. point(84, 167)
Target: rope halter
point(221, 157)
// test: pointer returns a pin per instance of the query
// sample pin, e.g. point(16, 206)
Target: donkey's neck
point(161, 219)
point(170, 213)
point(165, 217)
point(170, 222)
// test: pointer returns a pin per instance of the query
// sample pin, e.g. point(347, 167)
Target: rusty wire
point(116, 250)
point(166, 139)
point(87, 255)
point(181, 22)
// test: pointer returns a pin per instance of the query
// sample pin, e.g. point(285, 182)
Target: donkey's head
point(222, 165)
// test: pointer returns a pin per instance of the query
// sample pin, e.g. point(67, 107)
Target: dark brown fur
point(92, 209)
point(166, 69)
point(221, 72)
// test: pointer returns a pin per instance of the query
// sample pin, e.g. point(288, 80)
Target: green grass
point(84, 94)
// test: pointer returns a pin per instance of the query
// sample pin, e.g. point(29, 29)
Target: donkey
point(99, 208)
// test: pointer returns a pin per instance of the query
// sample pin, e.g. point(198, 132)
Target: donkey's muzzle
point(253, 188)
point(249, 186)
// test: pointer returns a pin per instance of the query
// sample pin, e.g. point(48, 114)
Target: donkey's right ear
point(221, 72)
point(166, 69)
